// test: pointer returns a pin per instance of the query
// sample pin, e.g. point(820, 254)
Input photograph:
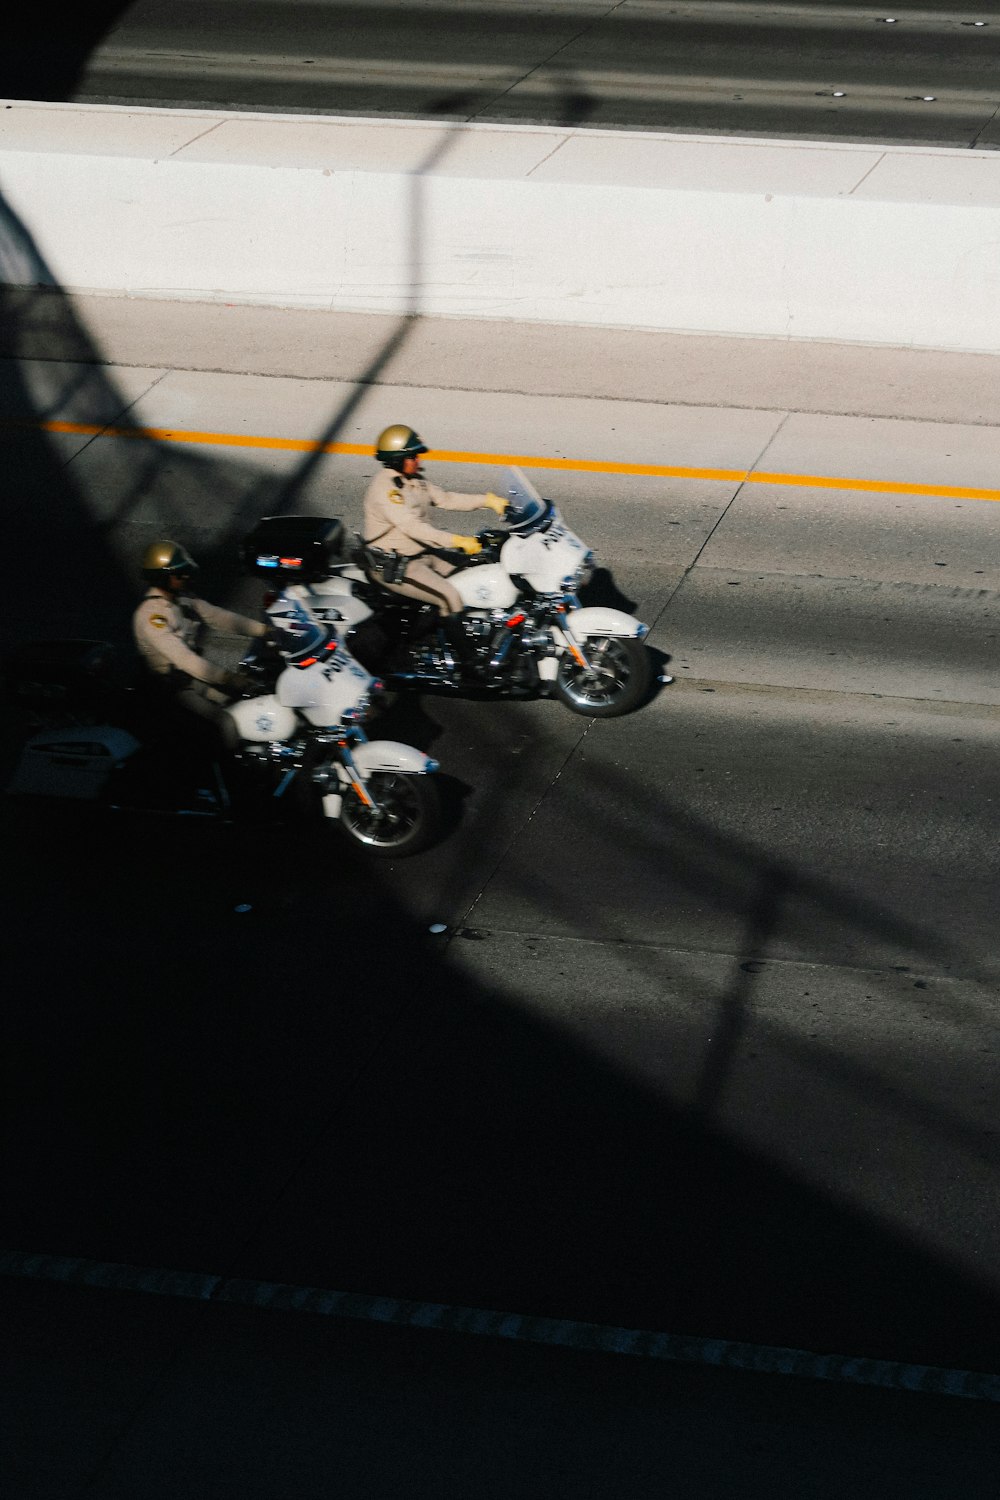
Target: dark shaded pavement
point(113, 1394)
point(309, 1092)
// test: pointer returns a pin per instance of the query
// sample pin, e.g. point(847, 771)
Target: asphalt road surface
point(917, 72)
point(711, 1043)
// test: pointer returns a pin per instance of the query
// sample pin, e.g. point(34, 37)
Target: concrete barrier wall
point(890, 245)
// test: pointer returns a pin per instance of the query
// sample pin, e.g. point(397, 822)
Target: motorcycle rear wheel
point(407, 820)
point(617, 681)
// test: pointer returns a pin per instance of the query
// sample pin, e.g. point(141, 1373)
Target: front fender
point(391, 755)
point(596, 620)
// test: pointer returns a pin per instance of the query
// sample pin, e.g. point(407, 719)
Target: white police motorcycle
point(524, 630)
point(103, 743)
point(381, 791)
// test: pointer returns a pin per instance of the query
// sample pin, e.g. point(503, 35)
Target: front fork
point(355, 780)
point(352, 780)
point(575, 648)
point(563, 633)
point(596, 623)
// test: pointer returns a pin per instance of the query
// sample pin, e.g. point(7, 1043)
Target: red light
point(290, 562)
point(330, 646)
point(310, 661)
point(514, 621)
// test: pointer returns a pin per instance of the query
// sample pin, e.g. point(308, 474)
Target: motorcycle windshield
point(526, 510)
point(296, 632)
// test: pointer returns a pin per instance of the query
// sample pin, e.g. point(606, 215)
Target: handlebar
point(493, 536)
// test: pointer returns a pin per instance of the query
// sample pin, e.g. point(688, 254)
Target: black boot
point(461, 644)
point(424, 627)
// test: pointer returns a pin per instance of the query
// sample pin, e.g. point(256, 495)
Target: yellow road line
point(531, 461)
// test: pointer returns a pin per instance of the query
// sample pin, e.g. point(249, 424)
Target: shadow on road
point(307, 1089)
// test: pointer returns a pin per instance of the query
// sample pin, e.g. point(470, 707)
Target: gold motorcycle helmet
point(165, 559)
point(397, 442)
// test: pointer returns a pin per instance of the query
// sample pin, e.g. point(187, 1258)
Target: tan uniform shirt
point(397, 511)
point(168, 627)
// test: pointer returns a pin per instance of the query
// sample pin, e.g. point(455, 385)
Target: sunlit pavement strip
point(590, 1337)
point(533, 461)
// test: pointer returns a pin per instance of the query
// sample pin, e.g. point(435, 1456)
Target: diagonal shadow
point(289, 491)
point(88, 525)
point(676, 853)
point(314, 1103)
point(733, 873)
point(307, 1091)
point(744, 877)
point(734, 1006)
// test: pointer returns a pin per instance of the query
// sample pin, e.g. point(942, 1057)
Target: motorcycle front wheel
point(617, 680)
point(405, 819)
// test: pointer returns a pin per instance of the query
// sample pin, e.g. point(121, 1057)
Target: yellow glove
point(495, 502)
point(467, 544)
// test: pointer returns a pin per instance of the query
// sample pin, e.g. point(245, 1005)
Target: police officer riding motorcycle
point(293, 716)
point(500, 614)
point(400, 539)
point(168, 626)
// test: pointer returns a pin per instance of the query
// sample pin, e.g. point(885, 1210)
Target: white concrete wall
point(890, 245)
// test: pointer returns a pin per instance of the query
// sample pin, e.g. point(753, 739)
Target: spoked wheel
point(405, 818)
point(617, 680)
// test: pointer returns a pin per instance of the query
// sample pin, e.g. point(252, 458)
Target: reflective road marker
point(560, 1332)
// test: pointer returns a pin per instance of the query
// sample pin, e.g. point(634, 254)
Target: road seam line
point(94, 430)
point(544, 63)
point(724, 512)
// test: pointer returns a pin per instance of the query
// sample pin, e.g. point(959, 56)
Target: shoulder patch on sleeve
point(395, 497)
point(160, 621)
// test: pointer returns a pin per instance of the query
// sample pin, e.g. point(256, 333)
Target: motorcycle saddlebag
point(287, 549)
point(71, 762)
point(71, 674)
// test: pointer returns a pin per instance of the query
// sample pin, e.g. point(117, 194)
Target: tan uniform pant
point(205, 701)
point(424, 579)
point(195, 697)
